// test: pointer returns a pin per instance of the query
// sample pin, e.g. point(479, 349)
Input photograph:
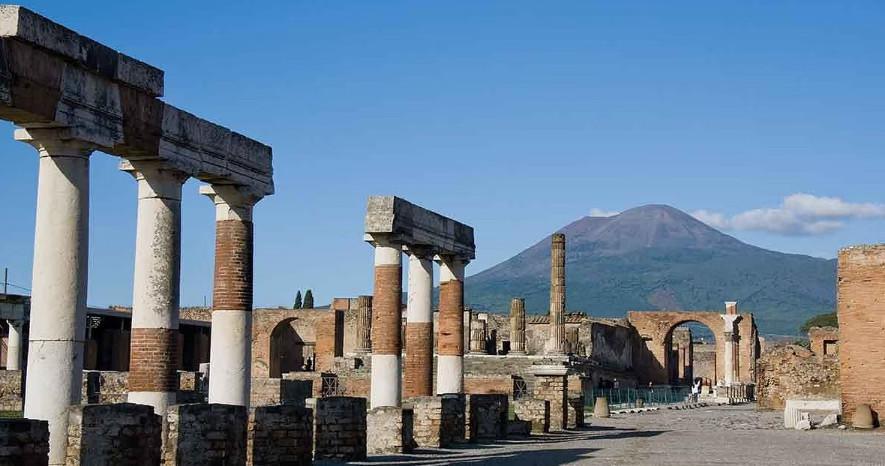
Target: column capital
point(156, 179)
point(54, 142)
point(232, 202)
point(730, 320)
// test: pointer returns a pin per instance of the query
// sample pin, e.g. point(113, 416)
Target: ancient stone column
point(364, 325)
point(230, 351)
point(728, 337)
point(556, 344)
point(14, 345)
point(419, 327)
point(387, 346)
point(450, 343)
point(478, 338)
point(517, 326)
point(153, 376)
point(58, 302)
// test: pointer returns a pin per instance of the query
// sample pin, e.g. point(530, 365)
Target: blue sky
point(514, 117)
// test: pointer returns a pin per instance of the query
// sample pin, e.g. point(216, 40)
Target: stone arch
point(671, 361)
point(286, 349)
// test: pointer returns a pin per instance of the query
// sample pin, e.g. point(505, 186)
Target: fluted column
point(364, 325)
point(58, 294)
point(418, 377)
point(517, 326)
point(556, 344)
point(14, 345)
point(450, 342)
point(230, 351)
point(386, 389)
point(153, 372)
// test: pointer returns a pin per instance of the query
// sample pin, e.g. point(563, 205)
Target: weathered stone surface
point(535, 411)
point(199, 434)
point(280, 435)
point(791, 371)
point(10, 390)
point(118, 434)
point(340, 432)
point(551, 384)
point(24, 442)
point(576, 412)
point(389, 430)
point(439, 421)
point(488, 417)
point(402, 222)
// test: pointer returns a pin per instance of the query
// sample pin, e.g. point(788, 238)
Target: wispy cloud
point(798, 214)
point(594, 212)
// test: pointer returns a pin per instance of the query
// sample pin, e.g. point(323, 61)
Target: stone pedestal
point(576, 412)
point(487, 417)
point(196, 433)
point(280, 435)
point(389, 430)
point(122, 433)
point(439, 421)
point(551, 384)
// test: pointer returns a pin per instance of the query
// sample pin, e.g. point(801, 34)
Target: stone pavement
point(715, 435)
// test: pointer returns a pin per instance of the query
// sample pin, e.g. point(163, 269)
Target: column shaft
point(517, 326)
point(386, 383)
point(58, 302)
point(153, 376)
point(364, 325)
point(418, 377)
point(14, 346)
point(450, 342)
point(556, 345)
point(729, 358)
point(230, 351)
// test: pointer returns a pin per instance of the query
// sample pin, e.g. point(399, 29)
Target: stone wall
point(302, 322)
point(439, 421)
point(575, 412)
point(861, 312)
point(389, 430)
point(790, 371)
point(555, 390)
point(340, 432)
point(105, 387)
point(113, 434)
point(280, 435)
point(24, 442)
point(535, 411)
point(488, 417)
point(824, 341)
point(492, 384)
point(11, 390)
point(704, 362)
point(199, 434)
point(286, 391)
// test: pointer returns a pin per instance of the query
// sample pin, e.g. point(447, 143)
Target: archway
point(690, 348)
point(286, 349)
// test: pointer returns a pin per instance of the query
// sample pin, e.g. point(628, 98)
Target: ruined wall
point(704, 362)
point(122, 433)
point(10, 390)
point(24, 442)
point(824, 341)
point(199, 434)
point(280, 435)
point(340, 432)
point(611, 343)
point(793, 372)
point(861, 312)
point(303, 323)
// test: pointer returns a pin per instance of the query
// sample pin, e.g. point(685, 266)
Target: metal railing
point(625, 398)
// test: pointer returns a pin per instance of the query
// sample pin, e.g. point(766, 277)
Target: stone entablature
point(402, 222)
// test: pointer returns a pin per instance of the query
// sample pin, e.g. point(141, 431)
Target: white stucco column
point(58, 287)
point(230, 352)
point(14, 345)
point(153, 373)
point(450, 344)
point(418, 377)
point(728, 336)
point(386, 376)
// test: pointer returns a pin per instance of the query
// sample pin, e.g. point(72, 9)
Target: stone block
point(389, 430)
point(280, 435)
point(488, 417)
point(24, 442)
point(439, 421)
point(796, 409)
point(340, 428)
point(197, 432)
point(406, 223)
point(535, 411)
point(119, 434)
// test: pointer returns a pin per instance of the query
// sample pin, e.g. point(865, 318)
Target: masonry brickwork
point(386, 310)
point(10, 390)
point(389, 430)
point(438, 420)
point(488, 417)
point(554, 388)
point(199, 434)
point(861, 312)
point(153, 360)
point(793, 372)
point(451, 329)
point(122, 434)
point(233, 265)
point(824, 342)
point(24, 442)
point(418, 365)
point(340, 432)
point(535, 411)
point(280, 435)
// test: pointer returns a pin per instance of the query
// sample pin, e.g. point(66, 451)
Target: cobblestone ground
point(714, 435)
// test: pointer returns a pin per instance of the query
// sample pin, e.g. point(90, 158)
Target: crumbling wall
point(199, 434)
point(24, 442)
point(793, 372)
point(105, 387)
point(10, 390)
point(488, 417)
point(118, 434)
point(340, 433)
point(280, 435)
point(439, 421)
point(535, 411)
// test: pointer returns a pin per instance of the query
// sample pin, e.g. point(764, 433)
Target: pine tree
point(308, 300)
point(297, 301)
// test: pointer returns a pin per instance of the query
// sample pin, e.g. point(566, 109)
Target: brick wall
point(280, 435)
point(554, 388)
point(118, 434)
point(575, 411)
point(789, 371)
point(324, 351)
point(824, 341)
point(340, 429)
point(153, 364)
point(502, 384)
point(535, 411)
point(861, 311)
point(268, 392)
point(233, 265)
point(199, 434)
point(24, 442)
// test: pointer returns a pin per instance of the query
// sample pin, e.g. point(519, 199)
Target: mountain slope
point(658, 257)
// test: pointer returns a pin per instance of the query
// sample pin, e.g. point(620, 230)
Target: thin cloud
point(798, 214)
point(594, 212)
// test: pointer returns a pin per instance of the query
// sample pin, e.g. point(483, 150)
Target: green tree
point(297, 301)
point(821, 320)
point(308, 299)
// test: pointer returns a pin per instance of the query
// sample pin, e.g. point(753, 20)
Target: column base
point(449, 374)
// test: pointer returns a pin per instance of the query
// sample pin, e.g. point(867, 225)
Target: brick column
point(58, 303)
point(153, 376)
point(364, 325)
point(517, 326)
point(14, 345)
point(556, 344)
point(230, 351)
point(387, 345)
point(419, 327)
point(450, 341)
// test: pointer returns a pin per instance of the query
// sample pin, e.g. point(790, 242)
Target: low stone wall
point(10, 390)
point(113, 434)
point(501, 384)
point(576, 412)
point(280, 435)
point(24, 442)
point(535, 411)
point(438, 420)
point(389, 430)
point(199, 434)
point(488, 417)
point(793, 372)
point(340, 432)
point(554, 388)
point(272, 391)
point(105, 387)
point(189, 389)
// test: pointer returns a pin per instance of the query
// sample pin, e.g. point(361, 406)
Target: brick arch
point(286, 349)
point(656, 329)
